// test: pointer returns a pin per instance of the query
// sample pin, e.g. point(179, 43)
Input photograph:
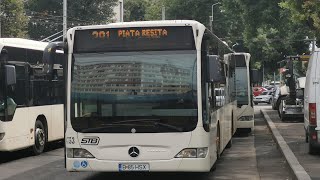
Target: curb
point(298, 170)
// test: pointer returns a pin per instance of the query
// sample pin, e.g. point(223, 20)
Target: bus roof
point(23, 43)
point(163, 22)
point(144, 24)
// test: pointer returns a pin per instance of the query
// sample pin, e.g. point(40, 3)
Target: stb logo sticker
point(90, 140)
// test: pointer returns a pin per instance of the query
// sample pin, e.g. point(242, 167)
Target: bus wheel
point(39, 138)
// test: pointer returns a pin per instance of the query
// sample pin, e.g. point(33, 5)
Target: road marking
point(292, 160)
point(22, 165)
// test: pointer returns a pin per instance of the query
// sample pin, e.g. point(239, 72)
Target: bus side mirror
point(11, 74)
point(49, 56)
point(215, 73)
point(4, 55)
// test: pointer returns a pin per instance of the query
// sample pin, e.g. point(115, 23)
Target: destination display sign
point(134, 39)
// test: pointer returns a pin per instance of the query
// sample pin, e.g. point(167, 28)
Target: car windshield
point(134, 86)
point(265, 93)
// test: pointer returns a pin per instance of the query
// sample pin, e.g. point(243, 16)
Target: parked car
point(274, 99)
point(264, 97)
point(292, 108)
point(270, 88)
point(312, 104)
point(258, 90)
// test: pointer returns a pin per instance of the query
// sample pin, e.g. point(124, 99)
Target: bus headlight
point(78, 153)
point(193, 153)
point(2, 136)
point(202, 152)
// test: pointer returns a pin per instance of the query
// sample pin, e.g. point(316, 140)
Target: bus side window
point(18, 91)
point(216, 98)
point(211, 97)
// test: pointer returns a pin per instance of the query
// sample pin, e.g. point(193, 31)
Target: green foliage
point(199, 10)
point(46, 15)
point(305, 12)
point(229, 22)
point(135, 10)
point(269, 34)
point(180, 9)
point(154, 9)
point(263, 27)
point(13, 19)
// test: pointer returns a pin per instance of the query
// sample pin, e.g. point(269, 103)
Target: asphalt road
point(293, 133)
point(254, 156)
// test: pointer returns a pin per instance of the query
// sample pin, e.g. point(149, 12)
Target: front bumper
point(293, 112)
point(172, 165)
point(245, 124)
point(261, 100)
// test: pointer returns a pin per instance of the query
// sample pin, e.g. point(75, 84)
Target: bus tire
point(40, 138)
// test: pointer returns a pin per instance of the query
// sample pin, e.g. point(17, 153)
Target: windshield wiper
point(179, 129)
point(154, 121)
point(135, 120)
point(106, 127)
point(94, 130)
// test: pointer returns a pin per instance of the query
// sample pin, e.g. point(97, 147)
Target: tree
point(153, 10)
point(135, 10)
point(306, 12)
point(13, 19)
point(198, 10)
point(46, 15)
point(268, 32)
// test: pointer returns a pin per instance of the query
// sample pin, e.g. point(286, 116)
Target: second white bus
point(31, 99)
point(239, 65)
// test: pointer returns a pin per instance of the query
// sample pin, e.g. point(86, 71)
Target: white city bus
point(141, 97)
point(239, 65)
point(31, 99)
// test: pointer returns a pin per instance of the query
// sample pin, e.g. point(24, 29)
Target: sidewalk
point(291, 140)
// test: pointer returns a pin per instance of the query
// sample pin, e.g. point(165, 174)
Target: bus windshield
point(241, 85)
point(121, 92)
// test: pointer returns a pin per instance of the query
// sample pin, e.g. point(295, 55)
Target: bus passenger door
point(17, 110)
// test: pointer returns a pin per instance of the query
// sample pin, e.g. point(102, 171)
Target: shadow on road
point(149, 176)
point(16, 155)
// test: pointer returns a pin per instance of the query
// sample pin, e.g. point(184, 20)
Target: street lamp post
point(211, 18)
point(0, 20)
point(163, 12)
point(64, 19)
